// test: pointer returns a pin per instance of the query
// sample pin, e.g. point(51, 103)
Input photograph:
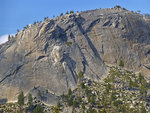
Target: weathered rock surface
point(39, 55)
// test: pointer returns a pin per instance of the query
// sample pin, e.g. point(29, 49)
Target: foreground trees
point(21, 100)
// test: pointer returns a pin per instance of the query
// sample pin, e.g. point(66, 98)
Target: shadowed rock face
point(40, 57)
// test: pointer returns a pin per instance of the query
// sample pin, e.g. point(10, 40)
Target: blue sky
point(15, 14)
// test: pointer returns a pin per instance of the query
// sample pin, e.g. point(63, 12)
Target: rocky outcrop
point(39, 56)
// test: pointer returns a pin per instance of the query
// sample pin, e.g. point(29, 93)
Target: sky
point(16, 14)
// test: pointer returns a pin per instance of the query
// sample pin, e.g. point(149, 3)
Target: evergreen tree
point(58, 105)
point(18, 30)
point(61, 14)
point(130, 83)
point(9, 37)
point(140, 78)
point(92, 99)
point(38, 109)
point(71, 12)
point(39, 94)
point(69, 92)
point(30, 101)
point(21, 100)
point(56, 110)
point(143, 110)
point(67, 12)
point(121, 63)
point(75, 104)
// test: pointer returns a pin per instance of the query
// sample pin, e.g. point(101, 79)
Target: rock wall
point(40, 57)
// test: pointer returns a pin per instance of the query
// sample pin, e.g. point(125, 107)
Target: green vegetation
point(38, 109)
point(116, 94)
point(71, 12)
point(18, 30)
point(61, 14)
point(58, 105)
point(10, 37)
point(39, 94)
point(121, 63)
point(21, 100)
point(30, 101)
point(56, 110)
point(67, 12)
point(68, 43)
point(118, 6)
point(121, 91)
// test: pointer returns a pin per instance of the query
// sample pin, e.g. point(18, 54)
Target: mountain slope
point(50, 54)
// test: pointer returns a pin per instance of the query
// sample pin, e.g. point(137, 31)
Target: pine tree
point(38, 109)
point(67, 12)
point(58, 105)
point(39, 94)
point(121, 63)
point(21, 100)
point(69, 92)
point(71, 12)
point(61, 14)
point(30, 101)
point(9, 37)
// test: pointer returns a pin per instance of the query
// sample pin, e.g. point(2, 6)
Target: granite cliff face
point(50, 54)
